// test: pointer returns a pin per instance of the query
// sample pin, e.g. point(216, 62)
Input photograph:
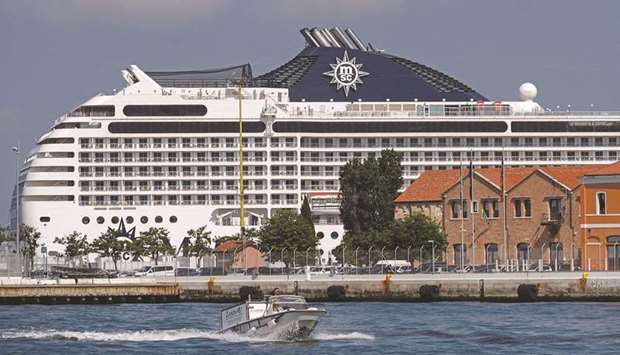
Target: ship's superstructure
point(164, 150)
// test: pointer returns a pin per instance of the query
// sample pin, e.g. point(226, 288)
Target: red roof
point(433, 183)
point(229, 245)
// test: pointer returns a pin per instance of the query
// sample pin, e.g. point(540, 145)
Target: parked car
point(155, 271)
point(186, 271)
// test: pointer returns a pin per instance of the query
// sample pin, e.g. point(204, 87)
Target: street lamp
point(16, 150)
point(343, 259)
point(432, 255)
point(282, 258)
point(383, 258)
point(270, 264)
point(294, 262)
point(369, 264)
point(307, 255)
point(395, 251)
point(421, 248)
point(356, 265)
point(409, 257)
point(557, 245)
point(542, 255)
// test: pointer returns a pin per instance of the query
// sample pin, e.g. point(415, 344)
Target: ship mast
point(241, 192)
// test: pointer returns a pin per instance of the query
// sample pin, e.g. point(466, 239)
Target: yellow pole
point(241, 194)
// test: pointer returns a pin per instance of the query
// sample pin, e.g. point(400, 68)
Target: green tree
point(368, 189)
point(109, 245)
point(29, 239)
point(286, 231)
point(199, 245)
point(156, 242)
point(5, 234)
point(410, 233)
point(306, 212)
point(76, 245)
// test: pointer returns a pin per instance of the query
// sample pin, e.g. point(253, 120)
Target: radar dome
point(528, 91)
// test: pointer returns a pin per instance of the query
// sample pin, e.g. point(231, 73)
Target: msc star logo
point(346, 74)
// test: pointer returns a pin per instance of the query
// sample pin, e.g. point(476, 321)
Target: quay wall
point(516, 287)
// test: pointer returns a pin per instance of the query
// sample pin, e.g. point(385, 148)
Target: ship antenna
point(241, 192)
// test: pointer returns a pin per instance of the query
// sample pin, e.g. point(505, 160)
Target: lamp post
point(432, 255)
point(282, 259)
point(383, 258)
point(270, 265)
point(356, 265)
point(308, 248)
point(16, 150)
point(557, 245)
point(542, 255)
point(486, 256)
point(294, 262)
point(409, 257)
point(421, 248)
point(369, 263)
point(395, 251)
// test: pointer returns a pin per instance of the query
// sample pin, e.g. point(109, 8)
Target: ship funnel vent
point(334, 37)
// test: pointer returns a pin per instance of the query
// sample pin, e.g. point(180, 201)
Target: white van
point(155, 271)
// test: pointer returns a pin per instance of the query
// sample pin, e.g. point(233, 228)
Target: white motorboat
point(282, 317)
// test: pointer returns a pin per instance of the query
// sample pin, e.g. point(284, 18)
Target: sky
point(55, 54)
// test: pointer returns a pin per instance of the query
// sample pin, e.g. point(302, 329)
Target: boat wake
point(158, 335)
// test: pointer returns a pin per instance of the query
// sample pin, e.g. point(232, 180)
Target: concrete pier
point(501, 287)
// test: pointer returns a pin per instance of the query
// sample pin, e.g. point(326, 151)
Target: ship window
point(185, 127)
point(144, 219)
point(114, 220)
point(173, 219)
point(387, 127)
point(100, 220)
point(334, 235)
point(57, 141)
point(320, 235)
point(44, 219)
point(165, 110)
point(85, 220)
point(158, 219)
point(129, 220)
point(93, 110)
point(45, 198)
point(52, 169)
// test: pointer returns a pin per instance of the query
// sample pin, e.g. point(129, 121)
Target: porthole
point(129, 220)
point(320, 235)
point(85, 220)
point(173, 219)
point(114, 220)
point(334, 235)
point(322, 251)
point(158, 219)
point(100, 220)
point(44, 219)
point(144, 219)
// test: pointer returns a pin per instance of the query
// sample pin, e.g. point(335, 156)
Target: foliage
point(306, 212)
point(155, 242)
point(199, 244)
point(410, 234)
point(5, 234)
point(368, 189)
point(109, 245)
point(285, 232)
point(29, 240)
point(76, 244)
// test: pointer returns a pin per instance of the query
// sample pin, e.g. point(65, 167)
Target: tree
point(368, 189)
point(109, 245)
point(410, 233)
point(5, 234)
point(76, 245)
point(286, 231)
point(29, 239)
point(306, 212)
point(199, 243)
point(156, 242)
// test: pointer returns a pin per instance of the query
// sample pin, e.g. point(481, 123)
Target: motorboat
point(281, 317)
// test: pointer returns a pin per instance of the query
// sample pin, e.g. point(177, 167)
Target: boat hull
point(287, 325)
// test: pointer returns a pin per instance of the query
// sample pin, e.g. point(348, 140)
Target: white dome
point(528, 91)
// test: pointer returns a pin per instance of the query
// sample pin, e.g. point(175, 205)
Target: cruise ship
point(164, 150)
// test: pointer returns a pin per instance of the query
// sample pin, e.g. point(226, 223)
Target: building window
point(555, 209)
point(601, 203)
point(523, 207)
point(491, 253)
point(523, 252)
point(460, 255)
point(555, 255)
point(454, 207)
point(474, 206)
point(613, 253)
point(490, 208)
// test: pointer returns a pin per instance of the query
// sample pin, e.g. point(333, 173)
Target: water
point(358, 328)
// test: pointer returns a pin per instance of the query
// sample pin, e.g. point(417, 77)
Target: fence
point(286, 262)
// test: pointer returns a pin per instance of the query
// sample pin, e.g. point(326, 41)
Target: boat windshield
point(287, 302)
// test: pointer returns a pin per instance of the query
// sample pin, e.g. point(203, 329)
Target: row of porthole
point(321, 235)
point(129, 219)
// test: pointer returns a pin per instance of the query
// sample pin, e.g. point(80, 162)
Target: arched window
point(491, 253)
point(460, 255)
point(523, 251)
point(555, 255)
point(613, 253)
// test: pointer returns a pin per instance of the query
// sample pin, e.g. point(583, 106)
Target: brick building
point(600, 232)
point(536, 217)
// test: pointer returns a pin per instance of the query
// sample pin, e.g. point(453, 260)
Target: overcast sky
point(56, 54)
